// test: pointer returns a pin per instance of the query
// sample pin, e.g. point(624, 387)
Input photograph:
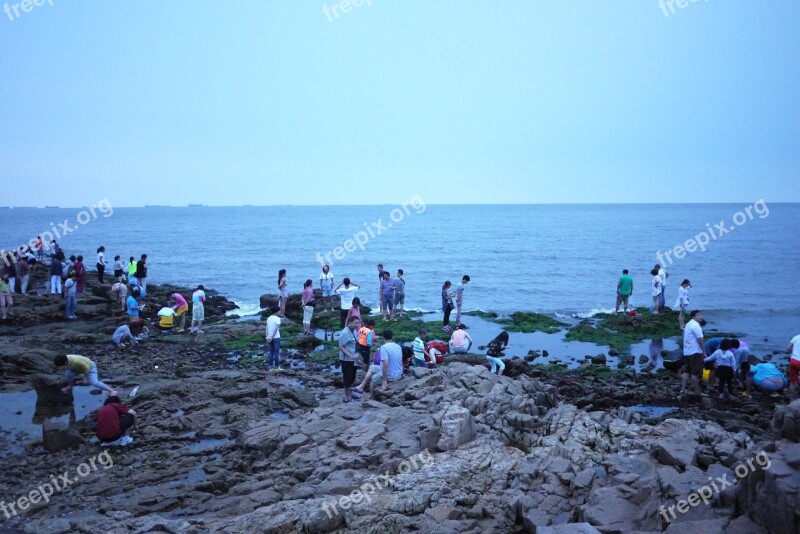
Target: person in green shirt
point(80, 365)
point(624, 290)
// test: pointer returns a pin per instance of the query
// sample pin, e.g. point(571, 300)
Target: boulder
point(457, 427)
point(58, 436)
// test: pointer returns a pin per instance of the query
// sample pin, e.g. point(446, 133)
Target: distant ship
point(51, 207)
point(194, 205)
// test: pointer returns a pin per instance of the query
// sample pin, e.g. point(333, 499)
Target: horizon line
point(152, 206)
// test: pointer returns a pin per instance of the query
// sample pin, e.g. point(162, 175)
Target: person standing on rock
point(117, 268)
point(23, 270)
point(71, 296)
point(347, 292)
point(198, 310)
point(283, 292)
point(309, 301)
point(624, 290)
point(693, 353)
point(460, 296)
point(101, 264)
point(348, 356)
point(655, 286)
point(115, 421)
point(274, 339)
point(725, 363)
point(683, 300)
point(399, 293)
point(663, 275)
point(388, 288)
point(80, 365)
point(55, 275)
point(447, 305)
point(141, 273)
point(380, 279)
point(6, 299)
point(132, 272)
point(326, 286)
point(366, 338)
point(80, 274)
point(494, 352)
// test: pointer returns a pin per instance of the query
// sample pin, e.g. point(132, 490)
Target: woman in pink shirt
point(460, 341)
point(180, 307)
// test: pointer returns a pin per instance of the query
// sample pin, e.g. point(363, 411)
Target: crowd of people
point(724, 360)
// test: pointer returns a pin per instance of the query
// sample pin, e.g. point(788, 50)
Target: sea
point(561, 260)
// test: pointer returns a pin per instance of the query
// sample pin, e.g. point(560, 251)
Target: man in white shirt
point(347, 292)
point(663, 275)
point(794, 364)
point(693, 352)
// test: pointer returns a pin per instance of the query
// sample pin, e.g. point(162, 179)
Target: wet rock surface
point(226, 446)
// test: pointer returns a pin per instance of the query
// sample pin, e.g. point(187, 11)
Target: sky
point(460, 102)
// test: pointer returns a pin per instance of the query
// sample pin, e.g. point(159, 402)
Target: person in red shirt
point(115, 421)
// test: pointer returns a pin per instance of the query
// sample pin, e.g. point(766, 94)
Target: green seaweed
point(622, 330)
point(490, 316)
point(528, 322)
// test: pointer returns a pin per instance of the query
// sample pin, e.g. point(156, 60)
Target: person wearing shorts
point(693, 353)
point(348, 356)
point(794, 363)
point(326, 286)
point(624, 290)
point(399, 293)
point(387, 296)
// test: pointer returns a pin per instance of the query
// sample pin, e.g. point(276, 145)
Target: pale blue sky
point(266, 102)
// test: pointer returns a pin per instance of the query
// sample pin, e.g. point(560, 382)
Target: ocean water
point(558, 259)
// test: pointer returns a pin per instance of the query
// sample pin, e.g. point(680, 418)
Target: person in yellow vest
point(166, 318)
point(80, 365)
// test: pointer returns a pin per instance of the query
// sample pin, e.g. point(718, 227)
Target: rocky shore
point(225, 446)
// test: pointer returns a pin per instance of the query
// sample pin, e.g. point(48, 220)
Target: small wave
point(245, 308)
point(586, 315)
